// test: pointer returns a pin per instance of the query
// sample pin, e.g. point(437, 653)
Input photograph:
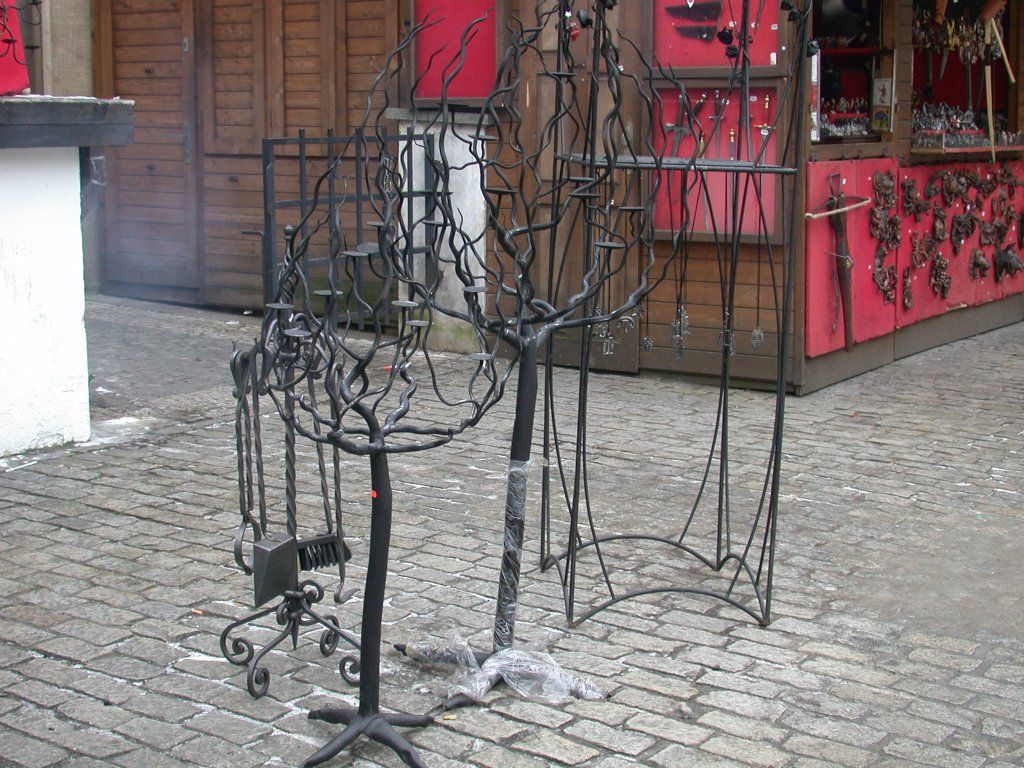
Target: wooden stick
point(988, 95)
point(855, 206)
point(1002, 50)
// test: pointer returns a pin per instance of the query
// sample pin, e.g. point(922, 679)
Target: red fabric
point(442, 41)
point(823, 310)
point(674, 50)
point(13, 74)
point(668, 211)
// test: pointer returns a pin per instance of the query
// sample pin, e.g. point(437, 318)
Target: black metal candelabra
point(346, 357)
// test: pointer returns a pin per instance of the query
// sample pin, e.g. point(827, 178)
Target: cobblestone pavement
point(898, 637)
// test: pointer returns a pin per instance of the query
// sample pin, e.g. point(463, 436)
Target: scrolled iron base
point(293, 613)
point(376, 726)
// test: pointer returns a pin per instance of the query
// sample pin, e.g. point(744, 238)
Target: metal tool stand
point(277, 579)
point(742, 557)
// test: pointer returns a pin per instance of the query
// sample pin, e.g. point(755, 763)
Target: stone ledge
point(63, 121)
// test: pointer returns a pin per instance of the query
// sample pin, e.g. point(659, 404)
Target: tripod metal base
point(376, 726)
point(293, 613)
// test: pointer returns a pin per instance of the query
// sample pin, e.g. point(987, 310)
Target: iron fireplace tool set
point(277, 558)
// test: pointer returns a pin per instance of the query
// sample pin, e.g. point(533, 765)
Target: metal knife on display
point(706, 11)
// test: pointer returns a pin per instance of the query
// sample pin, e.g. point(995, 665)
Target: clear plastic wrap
point(512, 553)
point(531, 673)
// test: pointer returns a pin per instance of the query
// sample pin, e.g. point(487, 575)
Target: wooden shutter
point(144, 53)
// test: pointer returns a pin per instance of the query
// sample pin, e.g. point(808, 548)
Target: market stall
point(914, 189)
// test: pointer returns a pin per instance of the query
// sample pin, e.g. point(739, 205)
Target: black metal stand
point(293, 613)
point(743, 558)
point(368, 720)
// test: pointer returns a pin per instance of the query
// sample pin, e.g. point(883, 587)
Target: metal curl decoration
point(12, 15)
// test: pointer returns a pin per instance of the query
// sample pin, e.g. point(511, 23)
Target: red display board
point(685, 32)
point(13, 72)
point(824, 330)
point(721, 141)
point(442, 40)
point(1012, 285)
point(964, 290)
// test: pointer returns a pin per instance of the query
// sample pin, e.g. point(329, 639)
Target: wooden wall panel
point(144, 54)
point(366, 52)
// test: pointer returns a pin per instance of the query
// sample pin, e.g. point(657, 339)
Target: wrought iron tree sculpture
point(570, 215)
point(379, 391)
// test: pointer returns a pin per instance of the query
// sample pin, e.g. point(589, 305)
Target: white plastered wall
point(44, 392)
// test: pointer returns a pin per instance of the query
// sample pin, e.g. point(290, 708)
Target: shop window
point(961, 78)
point(852, 74)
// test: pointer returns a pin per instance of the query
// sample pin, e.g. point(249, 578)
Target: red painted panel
point(823, 317)
point(13, 72)
point(442, 40)
point(823, 311)
point(685, 36)
point(713, 208)
point(1012, 285)
point(872, 317)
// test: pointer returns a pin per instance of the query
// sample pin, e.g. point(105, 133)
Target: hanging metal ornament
point(680, 330)
point(757, 338)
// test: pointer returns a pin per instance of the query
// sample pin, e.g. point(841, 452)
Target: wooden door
point(266, 68)
point(145, 53)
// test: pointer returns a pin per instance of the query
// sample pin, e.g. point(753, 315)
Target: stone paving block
point(29, 752)
point(95, 713)
point(211, 752)
point(617, 739)
point(902, 724)
point(606, 711)
point(482, 724)
point(677, 730)
point(148, 758)
point(745, 727)
point(237, 730)
point(556, 749)
point(743, 704)
point(831, 753)
point(531, 712)
point(40, 693)
point(747, 752)
point(676, 756)
point(742, 682)
point(928, 754)
point(157, 734)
